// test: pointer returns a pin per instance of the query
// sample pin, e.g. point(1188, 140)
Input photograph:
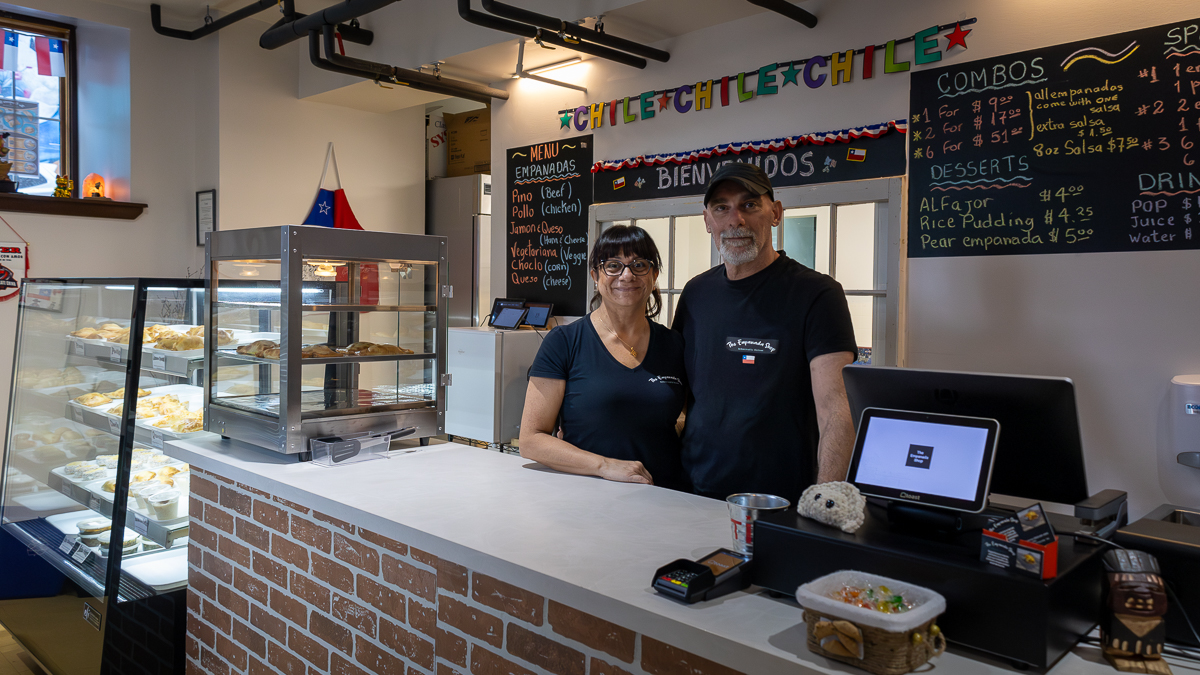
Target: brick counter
point(276, 587)
point(456, 561)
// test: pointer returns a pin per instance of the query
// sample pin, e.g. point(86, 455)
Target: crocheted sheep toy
point(838, 504)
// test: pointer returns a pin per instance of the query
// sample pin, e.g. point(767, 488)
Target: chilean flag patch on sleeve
point(748, 358)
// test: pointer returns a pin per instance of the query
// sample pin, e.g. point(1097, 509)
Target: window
point(686, 250)
point(850, 231)
point(35, 108)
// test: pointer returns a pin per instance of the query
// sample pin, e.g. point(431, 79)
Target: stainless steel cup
point(744, 509)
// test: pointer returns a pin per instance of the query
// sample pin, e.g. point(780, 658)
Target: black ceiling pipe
point(349, 33)
point(370, 70)
point(525, 30)
point(483, 93)
point(579, 32)
point(335, 14)
point(789, 10)
point(208, 28)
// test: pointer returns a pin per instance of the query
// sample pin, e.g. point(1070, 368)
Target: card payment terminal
point(720, 572)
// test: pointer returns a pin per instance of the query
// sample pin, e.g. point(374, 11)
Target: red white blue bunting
point(772, 145)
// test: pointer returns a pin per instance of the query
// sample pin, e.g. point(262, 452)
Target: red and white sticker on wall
point(14, 264)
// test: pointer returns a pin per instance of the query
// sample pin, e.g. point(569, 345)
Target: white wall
point(217, 113)
point(272, 145)
point(165, 80)
point(1118, 324)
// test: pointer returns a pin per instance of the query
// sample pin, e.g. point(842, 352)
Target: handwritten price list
point(548, 193)
point(1084, 147)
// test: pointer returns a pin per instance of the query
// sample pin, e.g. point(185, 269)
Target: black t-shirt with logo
point(615, 411)
point(751, 421)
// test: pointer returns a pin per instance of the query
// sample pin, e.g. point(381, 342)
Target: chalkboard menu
point(548, 193)
point(1085, 147)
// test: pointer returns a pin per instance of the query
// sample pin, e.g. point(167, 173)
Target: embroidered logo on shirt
point(746, 358)
point(752, 345)
point(668, 379)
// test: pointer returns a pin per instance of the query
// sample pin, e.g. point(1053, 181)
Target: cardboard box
point(435, 146)
point(469, 136)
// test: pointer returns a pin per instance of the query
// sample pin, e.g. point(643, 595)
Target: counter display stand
point(325, 332)
point(106, 372)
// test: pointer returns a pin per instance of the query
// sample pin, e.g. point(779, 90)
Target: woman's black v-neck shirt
point(615, 411)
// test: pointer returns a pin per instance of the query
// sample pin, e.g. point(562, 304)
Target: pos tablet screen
point(539, 314)
point(509, 318)
point(943, 461)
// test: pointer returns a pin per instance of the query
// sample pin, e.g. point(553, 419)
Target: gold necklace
point(632, 351)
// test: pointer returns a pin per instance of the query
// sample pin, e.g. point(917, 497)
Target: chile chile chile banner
point(547, 196)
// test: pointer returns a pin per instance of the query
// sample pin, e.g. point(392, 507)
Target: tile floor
point(13, 659)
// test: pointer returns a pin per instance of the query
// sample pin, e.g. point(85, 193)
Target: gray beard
point(740, 255)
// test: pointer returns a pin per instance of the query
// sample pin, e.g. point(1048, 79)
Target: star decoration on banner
point(566, 120)
point(957, 37)
point(790, 75)
point(663, 101)
point(324, 207)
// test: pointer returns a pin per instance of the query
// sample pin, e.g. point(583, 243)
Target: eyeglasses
point(615, 268)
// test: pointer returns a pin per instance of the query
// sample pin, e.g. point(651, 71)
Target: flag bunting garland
point(772, 145)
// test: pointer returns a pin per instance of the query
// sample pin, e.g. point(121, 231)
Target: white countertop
point(585, 542)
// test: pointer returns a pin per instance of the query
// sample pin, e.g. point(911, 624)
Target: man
point(766, 339)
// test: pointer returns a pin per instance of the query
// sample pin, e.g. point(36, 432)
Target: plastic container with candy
point(882, 625)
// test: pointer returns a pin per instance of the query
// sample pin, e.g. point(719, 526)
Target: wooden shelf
point(60, 206)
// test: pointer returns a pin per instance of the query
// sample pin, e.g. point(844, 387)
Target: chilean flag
point(50, 57)
point(332, 210)
point(8, 58)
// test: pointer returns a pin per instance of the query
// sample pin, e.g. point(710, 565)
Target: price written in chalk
point(1074, 148)
point(549, 190)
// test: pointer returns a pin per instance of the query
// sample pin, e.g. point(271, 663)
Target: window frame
point(68, 125)
point(890, 263)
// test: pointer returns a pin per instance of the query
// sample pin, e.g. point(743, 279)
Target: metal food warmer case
point(332, 333)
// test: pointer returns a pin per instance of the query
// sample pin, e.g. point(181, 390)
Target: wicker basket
point(887, 644)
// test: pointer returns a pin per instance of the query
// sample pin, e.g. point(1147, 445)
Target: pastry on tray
point(318, 352)
point(257, 348)
point(270, 353)
point(88, 333)
point(120, 393)
point(48, 437)
point(180, 343)
point(241, 389)
point(93, 399)
point(373, 349)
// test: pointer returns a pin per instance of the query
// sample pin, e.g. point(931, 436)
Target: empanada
point(93, 399)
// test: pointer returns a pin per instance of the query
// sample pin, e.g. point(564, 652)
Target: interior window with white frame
point(848, 231)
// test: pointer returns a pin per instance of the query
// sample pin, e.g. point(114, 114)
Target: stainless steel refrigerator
point(460, 209)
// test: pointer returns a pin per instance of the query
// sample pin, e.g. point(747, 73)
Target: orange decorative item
point(93, 186)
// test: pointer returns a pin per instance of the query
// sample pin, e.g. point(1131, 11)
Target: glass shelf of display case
point(339, 327)
point(88, 416)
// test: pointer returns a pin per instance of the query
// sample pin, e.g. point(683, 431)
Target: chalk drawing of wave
point(982, 187)
point(995, 86)
point(1087, 53)
point(981, 180)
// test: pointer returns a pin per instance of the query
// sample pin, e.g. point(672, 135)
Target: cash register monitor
point(539, 314)
point(1039, 455)
point(509, 318)
point(941, 461)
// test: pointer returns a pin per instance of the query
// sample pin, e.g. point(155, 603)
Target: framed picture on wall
point(206, 214)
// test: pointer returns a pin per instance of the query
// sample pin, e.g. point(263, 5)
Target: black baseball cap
point(749, 176)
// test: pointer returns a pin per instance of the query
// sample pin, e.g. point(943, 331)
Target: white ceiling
point(648, 21)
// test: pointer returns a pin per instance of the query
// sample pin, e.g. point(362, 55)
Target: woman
point(615, 377)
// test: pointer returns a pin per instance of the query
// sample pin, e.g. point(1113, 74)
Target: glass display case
point(324, 332)
point(103, 376)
